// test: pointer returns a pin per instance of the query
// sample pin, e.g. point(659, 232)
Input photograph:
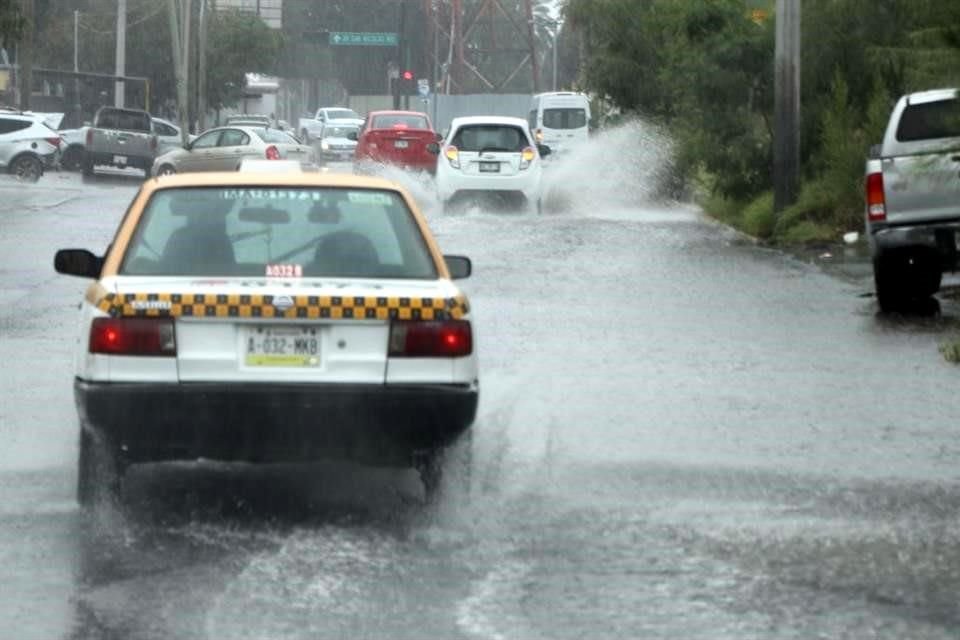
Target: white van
point(560, 119)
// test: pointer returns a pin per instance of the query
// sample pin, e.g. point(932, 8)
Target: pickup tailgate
point(922, 187)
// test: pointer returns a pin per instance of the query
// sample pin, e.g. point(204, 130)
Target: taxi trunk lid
point(305, 330)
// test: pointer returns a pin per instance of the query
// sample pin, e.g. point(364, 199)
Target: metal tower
point(482, 46)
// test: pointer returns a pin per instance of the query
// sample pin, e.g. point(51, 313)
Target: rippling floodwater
point(679, 436)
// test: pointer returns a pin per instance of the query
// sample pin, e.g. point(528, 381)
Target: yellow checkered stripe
point(205, 305)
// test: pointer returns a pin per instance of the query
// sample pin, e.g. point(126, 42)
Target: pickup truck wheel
point(27, 168)
point(87, 167)
point(72, 159)
point(905, 276)
point(99, 472)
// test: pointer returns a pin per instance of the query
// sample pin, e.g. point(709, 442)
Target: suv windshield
point(489, 137)
point(245, 231)
point(564, 118)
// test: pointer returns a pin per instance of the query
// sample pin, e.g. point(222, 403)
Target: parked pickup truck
point(311, 128)
point(119, 138)
point(913, 197)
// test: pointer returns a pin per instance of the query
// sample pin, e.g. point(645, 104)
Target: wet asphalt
point(681, 434)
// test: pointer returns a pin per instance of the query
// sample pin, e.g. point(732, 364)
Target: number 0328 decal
point(284, 271)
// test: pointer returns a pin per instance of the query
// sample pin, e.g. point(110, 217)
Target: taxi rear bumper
point(371, 424)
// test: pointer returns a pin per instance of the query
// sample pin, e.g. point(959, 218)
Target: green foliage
point(239, 43)
point(758, 219)
point(951, 351)
point(704, 70)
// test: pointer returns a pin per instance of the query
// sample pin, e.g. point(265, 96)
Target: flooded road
point(680, 435)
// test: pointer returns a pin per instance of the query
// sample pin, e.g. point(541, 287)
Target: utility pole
point(118, 92)
point(25, 57)
point(202, 68)
point(401, 53)
point(76, 40)
point(177, 40)
point(786, 142)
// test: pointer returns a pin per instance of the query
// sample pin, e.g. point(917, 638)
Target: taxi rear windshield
point(283, 232)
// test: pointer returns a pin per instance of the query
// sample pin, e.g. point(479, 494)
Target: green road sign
point(364, 38)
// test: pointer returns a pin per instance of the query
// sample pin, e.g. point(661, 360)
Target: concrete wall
point(443, 108)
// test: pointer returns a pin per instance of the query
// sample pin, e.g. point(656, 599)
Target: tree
point(238, 43)
point(11, 22)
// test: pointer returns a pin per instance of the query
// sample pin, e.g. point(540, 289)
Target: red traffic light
point(408, 75)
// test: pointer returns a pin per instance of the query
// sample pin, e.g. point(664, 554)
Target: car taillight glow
point(453, 156)
point(876, 201)
point(431, 339)
point(133, 336)
point(89, 137)
point(526, 157)
point(153, 143)
point(54, 141)
point(272, 153)
point(539, 135)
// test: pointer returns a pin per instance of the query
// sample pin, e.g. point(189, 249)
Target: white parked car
point(490, 155)
point(28, 146)
point(271, 317)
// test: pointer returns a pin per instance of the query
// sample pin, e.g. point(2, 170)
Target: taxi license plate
point(489, 167)
point(277, 346)
point(400, 144)
point(120, 159)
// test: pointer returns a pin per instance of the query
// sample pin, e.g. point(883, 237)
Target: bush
point(757, 218)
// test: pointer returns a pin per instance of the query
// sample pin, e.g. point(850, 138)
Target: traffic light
point(408, 75)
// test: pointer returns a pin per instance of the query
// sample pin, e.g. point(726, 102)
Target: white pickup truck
point(311, 128)
point(913, 197)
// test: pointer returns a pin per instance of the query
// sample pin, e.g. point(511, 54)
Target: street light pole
point(556, 35)
point(118, 93)
point(76, 40)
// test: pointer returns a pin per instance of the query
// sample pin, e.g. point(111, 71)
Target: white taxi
point(270, 318)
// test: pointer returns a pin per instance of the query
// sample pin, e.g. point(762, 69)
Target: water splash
point(625, 165)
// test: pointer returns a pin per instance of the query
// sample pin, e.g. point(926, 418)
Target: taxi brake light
point(133, 336)
point(430, 339)
point(272, 153)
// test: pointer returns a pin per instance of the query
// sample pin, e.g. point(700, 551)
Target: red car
point(397, 138)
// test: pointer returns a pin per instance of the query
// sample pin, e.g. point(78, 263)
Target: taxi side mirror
point(353, 135)
point(544, 150)
point(78, 262)
point(458, 266)
point(433, 148)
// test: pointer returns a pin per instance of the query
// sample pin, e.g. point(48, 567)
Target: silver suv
point(27, 146)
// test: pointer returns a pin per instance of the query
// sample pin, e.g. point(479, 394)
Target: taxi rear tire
point(99, 472)
point(447, 471)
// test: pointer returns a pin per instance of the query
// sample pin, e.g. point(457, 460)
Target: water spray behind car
point(623, 165)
